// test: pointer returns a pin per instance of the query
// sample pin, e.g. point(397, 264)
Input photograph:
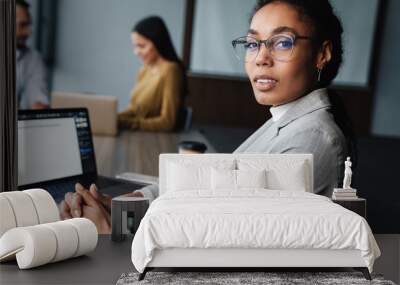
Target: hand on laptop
point(73, 202)
point(94, 210)
point(90, 204)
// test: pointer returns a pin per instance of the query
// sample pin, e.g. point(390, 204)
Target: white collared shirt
point(278, 111)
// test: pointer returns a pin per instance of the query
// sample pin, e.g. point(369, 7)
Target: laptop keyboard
point(105, 182)
point(58, 191)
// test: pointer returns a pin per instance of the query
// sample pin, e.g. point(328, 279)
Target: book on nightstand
point(344, 194)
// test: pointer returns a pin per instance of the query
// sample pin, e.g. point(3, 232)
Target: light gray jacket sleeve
point(328, 155)
point(150, 192)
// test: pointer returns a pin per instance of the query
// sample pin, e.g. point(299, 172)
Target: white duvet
point(250, 219)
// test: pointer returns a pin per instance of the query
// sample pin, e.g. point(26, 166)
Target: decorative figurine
point(347, 192)
point(347, 174)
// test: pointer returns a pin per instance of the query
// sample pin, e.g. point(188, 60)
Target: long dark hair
point(154, 29)
point(327, 27)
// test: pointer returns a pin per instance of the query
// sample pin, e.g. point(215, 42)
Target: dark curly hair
point(326, 26)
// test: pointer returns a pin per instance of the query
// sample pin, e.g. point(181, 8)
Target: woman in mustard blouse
point(157, 96)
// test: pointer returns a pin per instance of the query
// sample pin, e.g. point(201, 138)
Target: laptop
point(102, 109)
point(55, 151)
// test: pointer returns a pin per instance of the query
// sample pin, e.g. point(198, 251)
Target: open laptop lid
point(54, 144)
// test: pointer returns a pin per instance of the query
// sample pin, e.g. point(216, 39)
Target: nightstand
point(357, 205)
point(123, 208)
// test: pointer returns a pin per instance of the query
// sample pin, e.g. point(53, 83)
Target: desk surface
point(104, 265)
point(128, 152)
point(138, 151)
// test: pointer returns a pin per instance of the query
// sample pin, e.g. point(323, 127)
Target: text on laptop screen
point(53, 146)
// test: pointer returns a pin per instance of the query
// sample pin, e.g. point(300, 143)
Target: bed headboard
point(275, 161)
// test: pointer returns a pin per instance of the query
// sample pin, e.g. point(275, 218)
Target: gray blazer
point(307, 127)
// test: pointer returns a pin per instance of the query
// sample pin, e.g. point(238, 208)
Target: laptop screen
point(54, 144)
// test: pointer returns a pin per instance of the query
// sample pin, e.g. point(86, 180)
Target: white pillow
point(188, 175)
point(282, 174)
point(237, 179)
point(223, 179)
point(251, 179)
point(182, 178)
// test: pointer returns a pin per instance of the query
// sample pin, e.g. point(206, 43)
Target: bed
point(246, 211)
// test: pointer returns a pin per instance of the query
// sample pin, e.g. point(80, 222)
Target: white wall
point(93, 47)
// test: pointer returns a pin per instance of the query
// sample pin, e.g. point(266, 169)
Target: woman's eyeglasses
point(279, 46)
